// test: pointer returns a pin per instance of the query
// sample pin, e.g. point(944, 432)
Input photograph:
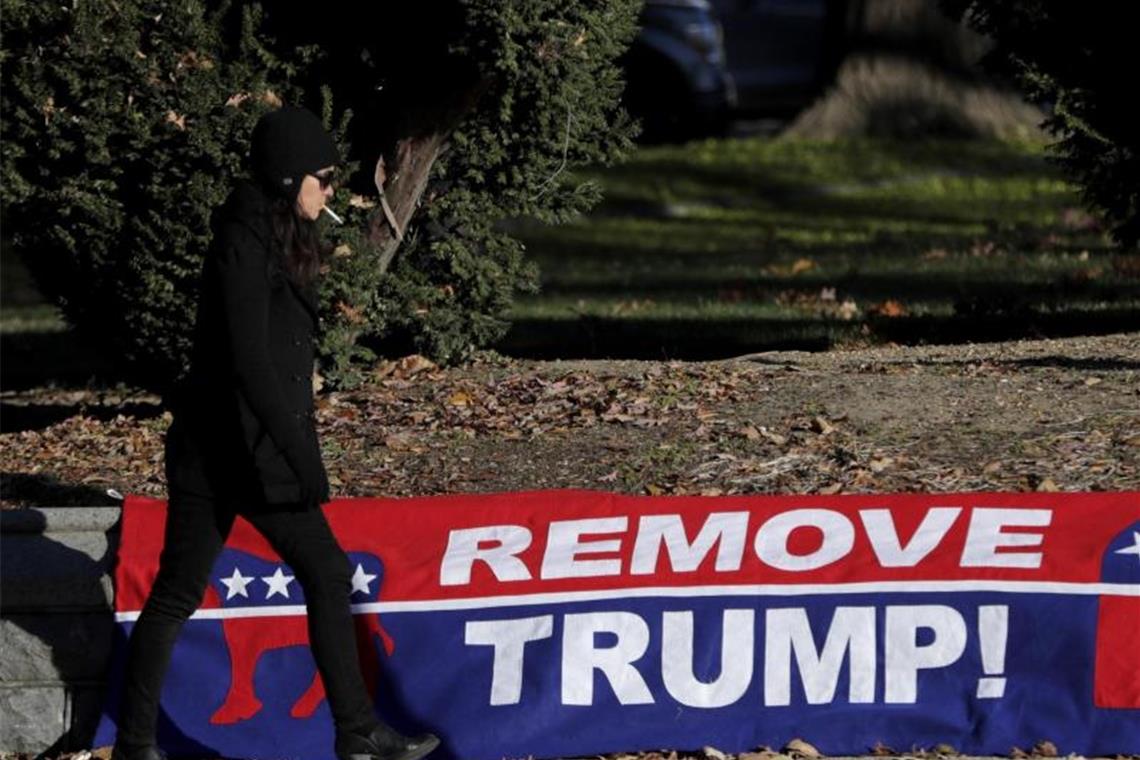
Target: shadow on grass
point(592, 337)
point(987, 312)
point(33, 359)
point(15, 418)
point(978, 288)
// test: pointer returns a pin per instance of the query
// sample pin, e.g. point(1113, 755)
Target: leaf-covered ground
point(1043, 415)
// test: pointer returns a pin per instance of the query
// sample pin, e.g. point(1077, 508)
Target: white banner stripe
point(565, 597)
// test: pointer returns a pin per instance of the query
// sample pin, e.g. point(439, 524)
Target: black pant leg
point(307, 544)
point(196, 529)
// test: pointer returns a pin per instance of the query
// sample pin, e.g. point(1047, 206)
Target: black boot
point(383, 743)
point(124, 751)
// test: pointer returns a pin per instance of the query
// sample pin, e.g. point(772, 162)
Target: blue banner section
point(904, 670)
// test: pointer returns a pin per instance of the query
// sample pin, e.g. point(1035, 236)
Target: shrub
point(1071, 57)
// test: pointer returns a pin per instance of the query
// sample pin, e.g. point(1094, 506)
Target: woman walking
point(243, 439)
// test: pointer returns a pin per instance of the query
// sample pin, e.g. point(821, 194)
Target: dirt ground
point(1031, 415)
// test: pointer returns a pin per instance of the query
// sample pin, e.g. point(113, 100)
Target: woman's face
point(311, 197)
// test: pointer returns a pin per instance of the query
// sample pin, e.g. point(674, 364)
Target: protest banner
point(569, 623)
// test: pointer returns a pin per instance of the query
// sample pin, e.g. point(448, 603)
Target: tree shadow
point(1059, 362)
point(16, 418)
point(37, 358)
point(42, 489)
point(696, 339)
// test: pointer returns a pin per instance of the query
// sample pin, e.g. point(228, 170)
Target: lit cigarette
point(332, 214)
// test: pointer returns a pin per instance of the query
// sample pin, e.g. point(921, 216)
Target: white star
point(1134, 549)
point(361, 580)
point(236, 584)
point(278, 583)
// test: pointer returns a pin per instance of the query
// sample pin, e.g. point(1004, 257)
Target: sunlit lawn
point(736, 245)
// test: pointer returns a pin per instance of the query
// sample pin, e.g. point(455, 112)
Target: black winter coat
point(245, 408)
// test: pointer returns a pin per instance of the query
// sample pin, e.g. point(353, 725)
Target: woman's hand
point(311, 476)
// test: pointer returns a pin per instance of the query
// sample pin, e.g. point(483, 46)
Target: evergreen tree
point(125, 123)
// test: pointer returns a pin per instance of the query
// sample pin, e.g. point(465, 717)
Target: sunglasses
point(325, 180)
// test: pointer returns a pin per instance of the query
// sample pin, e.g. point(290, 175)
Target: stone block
point(34, 716)
point(60, 520)
point(55, 646)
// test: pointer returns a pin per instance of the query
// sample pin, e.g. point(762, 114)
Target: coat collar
point(249, 205)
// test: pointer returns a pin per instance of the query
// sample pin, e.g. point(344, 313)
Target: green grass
point(727, 245)
point(31, 318)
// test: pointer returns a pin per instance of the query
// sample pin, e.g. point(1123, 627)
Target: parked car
point(696, 64)
point(780, 53)
point(677, 82)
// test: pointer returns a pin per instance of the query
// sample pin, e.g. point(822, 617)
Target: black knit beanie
point(287, 144)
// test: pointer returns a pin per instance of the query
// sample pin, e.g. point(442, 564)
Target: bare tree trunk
point(407, 179)
point(405, 187)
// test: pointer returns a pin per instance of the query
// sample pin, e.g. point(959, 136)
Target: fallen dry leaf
point(413, 364)
point(802, 265)
point(399, 442)
point(801, 748)
point(775, 438)
point(822, 426)
point(889, 308)
point(847, 311)
point(762, 754)
point(878, 465)
point(351, 314)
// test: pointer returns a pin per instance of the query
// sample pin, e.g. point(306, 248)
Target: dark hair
point(300, 240)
